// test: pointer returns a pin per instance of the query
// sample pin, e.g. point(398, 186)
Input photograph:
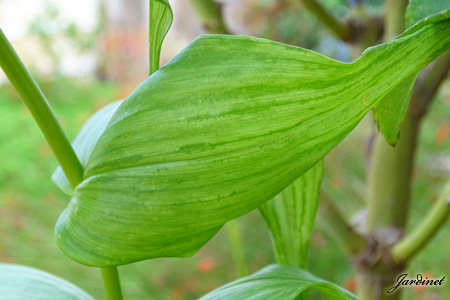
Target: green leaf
point(19, 283)
point(391, 110)
point(85, 142)
point(420, 9)
point(225, 126)
point(160, 20)
point(290, 217)
point(278, 282)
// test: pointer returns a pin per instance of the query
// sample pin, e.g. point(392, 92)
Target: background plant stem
point(237, 248)
point(210, 15)
point(339, 28)
point(394, 18)
point(345, 234)
point(406, 248)
point(389, 184)
point(41, 111)
point(389, 179)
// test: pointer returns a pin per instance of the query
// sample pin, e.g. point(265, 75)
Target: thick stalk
point(389, 183)
point(389, 179)
point(394, 18)
point(376, 284)
point(41, 111)
point(428, 82)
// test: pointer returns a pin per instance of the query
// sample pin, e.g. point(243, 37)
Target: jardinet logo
point(402, 281)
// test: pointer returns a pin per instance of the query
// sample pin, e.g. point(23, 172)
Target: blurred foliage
point(288, 22)
point(49, 26)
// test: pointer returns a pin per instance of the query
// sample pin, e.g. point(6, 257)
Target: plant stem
point(394, 18)
point(41, 111)
point(339, 28)
point(428, 83)
point(389, 187)
point(210, 14)
point(389, 179)
point(347, 237)
point(237, 248)
point(111, 283)
point(374, 286)
point(406, 248)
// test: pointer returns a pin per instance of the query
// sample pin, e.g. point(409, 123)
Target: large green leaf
point(277, 282)
point(20, 283)
point(160, 20)
point(290, 217)
point(225, 126)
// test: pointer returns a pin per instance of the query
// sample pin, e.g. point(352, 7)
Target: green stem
point(339, 28)
point(374, 286)
point(237, 248)
point(111, 283)
point(210, 15)
point(346, 236)
point(428, 82)
point(41, 111)
point(389, 179)
point(406, 248)
point(394, 18)
point(389, 185)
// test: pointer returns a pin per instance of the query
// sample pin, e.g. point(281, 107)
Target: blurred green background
point(30, 203)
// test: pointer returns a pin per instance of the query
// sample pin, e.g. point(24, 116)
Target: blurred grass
point(30, 204)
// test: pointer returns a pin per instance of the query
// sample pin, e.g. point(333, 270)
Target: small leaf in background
point(278, 282)
point(160, 20)
point(217, 132)
point(420, 9)
point(20, 283)
point(391, 110)
point(290, 217)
